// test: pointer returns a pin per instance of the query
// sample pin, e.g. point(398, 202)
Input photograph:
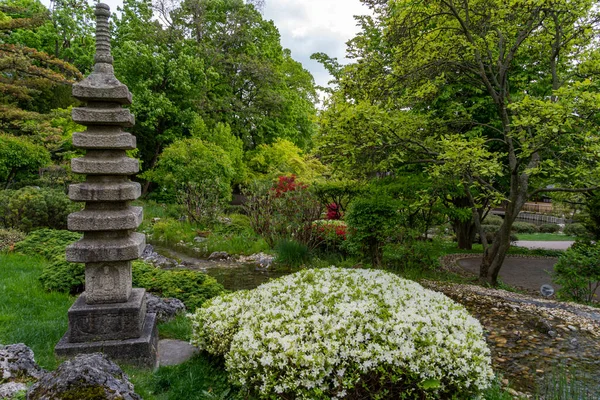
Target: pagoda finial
point(102, 34)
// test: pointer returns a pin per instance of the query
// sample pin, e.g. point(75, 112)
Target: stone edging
point(449, 262)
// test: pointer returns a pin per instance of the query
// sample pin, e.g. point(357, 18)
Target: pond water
point(230, 273)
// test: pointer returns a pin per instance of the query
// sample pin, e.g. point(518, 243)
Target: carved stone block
point(97, 322)
point(107, 282)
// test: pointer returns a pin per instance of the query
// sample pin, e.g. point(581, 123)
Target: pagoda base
point(140, 351)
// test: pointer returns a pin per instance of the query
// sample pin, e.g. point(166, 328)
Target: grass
point(546, 237)
point(29, 314)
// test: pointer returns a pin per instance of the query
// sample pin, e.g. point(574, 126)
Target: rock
point(85, 376)
point(175, 352)
point(155, 220)
point(159, 261)
point(572, 328)
point(16, 362)
point(543, 326)
point(261, 259)
point(8, 390)
point(219, 255)
point(199, 239)
point(165, 309)
point(552, 334)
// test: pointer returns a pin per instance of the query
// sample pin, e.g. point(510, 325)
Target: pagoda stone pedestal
point(109, 317)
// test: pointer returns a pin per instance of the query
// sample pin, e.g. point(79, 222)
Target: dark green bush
point(371, 221)
point(492, 219)
point(578, 272)
point(8, 237)
point(58, 275)
point(524, 227)
point(191, 287)
point(575, 229)
point(30, 207)
point(47, 243)
point(549, 228)
point(490, 228)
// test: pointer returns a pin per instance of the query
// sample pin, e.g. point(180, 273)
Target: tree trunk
point(494, 255)
point(465, 233)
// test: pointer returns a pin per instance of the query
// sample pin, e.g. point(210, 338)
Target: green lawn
point(546, 237)
point(29, 314)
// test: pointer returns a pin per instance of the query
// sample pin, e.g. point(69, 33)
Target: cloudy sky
point(307, 27)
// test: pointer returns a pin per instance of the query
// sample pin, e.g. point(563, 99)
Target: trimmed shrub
point(29, 208)
point(352, 334)
point(191, 287)
point(8, 238)
point(524, 227)
point(575, 229)
point(549, 228)
point(492, 219)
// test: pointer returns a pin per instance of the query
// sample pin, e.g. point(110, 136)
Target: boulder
point(85, 376)
point(17, 363)
point(219, 255)
point(8, 390)
point(165, 309)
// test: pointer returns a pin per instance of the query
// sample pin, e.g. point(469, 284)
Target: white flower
point(317, 331)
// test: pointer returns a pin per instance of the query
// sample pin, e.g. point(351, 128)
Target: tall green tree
point(501, 96)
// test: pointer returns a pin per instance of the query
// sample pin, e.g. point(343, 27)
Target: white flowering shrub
point(336, 333)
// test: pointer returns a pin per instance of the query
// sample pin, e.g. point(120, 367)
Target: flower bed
point(337, 333)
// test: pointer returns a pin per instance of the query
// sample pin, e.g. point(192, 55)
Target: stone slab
point(88, 140)
point(100, 250)
point(105, 166)
point(175, 352)
point(123, 191)
point(141, 351)
point(102, 86)
point(108, 282)
point(98, 322)
point(103, 116)
point(105, 220)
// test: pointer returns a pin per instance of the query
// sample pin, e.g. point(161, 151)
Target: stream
point(233, 275)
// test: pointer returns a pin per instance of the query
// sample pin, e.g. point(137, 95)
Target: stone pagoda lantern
point(110, 316)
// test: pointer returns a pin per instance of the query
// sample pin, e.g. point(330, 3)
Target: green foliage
point(282, 157)
point(30, 208)
point(340, 192)
point(592, 220)
point(191, 287)
point(292, 253)
point(47, 243)
point(20, 158)
point(371, 221)
point(200, 173)
point(549, 228)
point(575, 229)
point(524, 227)
point(492, 219)
point(413, 255)
point(284, 212)
point(171, 231)
point(578, 272)
point(8, 237)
